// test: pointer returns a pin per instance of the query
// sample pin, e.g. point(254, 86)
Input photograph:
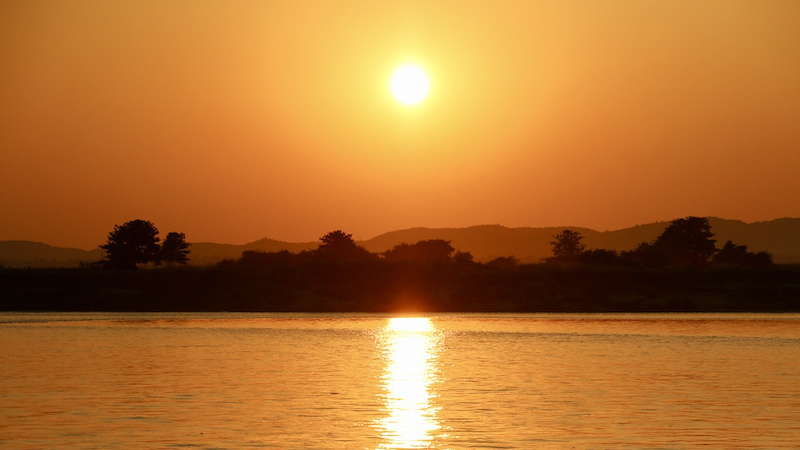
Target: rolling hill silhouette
point(781, 237)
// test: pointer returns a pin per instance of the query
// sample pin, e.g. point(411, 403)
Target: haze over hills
point(780, 237)
point(37, 254)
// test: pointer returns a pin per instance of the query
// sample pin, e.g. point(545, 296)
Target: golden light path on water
point(410, 346)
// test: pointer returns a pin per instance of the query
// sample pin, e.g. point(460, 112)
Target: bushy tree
point(686, 241)
point(738, 255)
point(340, 246)
point(463, 258)
point(131, 244)
point(429, 251)
point(174, 250)
point(643, 255)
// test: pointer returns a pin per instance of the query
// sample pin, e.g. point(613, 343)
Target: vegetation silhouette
point(340, 246)
point(599, 257)
point(463, 258)
point(131, 244)
point(685, 242)
point(504, 262)
point(174, 250)
point(675, 272)
point(433, 251)
point(136, 243)
point(738, 255)
point(567, 247)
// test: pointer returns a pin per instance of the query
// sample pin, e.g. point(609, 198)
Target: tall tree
point(133, 243)
point(175, 250)
point(567, 246)
point(686, 241)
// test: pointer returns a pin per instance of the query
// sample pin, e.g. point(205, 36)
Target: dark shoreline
point(385, 287)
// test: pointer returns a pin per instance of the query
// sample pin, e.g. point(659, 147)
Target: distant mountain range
point(780, 237)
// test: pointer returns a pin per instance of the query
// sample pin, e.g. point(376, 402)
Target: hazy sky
point(237, 120)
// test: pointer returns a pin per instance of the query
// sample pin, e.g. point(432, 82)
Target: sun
point(409, 84)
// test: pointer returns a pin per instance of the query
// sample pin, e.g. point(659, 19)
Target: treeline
point(404, 286)
point(681, 270)
point(686, 242)
point(339, 247)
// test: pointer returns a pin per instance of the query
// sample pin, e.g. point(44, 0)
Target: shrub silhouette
point(599, 257)
point(738, 255)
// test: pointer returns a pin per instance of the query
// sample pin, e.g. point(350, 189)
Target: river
point(351, 381)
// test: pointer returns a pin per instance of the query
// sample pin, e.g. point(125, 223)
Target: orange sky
point(234, 121)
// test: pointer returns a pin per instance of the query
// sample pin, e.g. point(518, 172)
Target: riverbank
point(394, 287)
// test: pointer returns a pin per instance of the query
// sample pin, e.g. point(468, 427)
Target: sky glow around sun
point(286, 120)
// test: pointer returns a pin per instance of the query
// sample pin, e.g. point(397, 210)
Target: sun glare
point(410, 84)
point(410, 324)
point(410, 351)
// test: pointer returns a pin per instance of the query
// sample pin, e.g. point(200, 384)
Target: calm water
point(239, 381)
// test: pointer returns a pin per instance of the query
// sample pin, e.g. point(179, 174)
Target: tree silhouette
point(429, 251)
point(340, 246)
point(686, 241)
point(567, 246)
point(738, 255)
point(643, 255)
point(175, 250)
point(463, 258)
point(133, 243)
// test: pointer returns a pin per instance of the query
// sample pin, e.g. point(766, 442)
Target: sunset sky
point(235, 121)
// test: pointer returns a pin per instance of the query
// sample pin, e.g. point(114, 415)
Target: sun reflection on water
point(410, 348)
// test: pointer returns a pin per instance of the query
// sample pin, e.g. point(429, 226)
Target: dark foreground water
point(305, 381)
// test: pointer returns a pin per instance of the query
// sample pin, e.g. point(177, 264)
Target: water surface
point(238, 381)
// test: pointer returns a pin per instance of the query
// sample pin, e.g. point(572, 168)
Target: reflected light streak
point(410, 350)
point(409, 324)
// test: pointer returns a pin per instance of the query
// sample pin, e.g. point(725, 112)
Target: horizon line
point(429, 228)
